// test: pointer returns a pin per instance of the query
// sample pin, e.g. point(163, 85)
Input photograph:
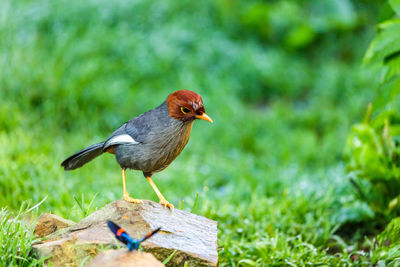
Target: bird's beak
point(205, 117)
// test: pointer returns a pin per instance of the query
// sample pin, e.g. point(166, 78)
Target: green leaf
point(386, 13)
point(391, 233)
point(386, 44)
point(391, 68)
point(389, 93)
point(395, 4)
point(300, 36)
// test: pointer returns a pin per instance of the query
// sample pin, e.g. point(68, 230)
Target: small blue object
point(121, 235)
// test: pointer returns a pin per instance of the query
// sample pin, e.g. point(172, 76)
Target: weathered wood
point(124, 258)
point(193, 237)
point(49, 223)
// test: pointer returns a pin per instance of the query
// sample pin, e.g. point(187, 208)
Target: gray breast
point(161, 145)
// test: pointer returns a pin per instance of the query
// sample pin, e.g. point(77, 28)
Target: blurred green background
point(282, 80)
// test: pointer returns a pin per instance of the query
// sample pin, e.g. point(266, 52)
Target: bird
point(150, 141)
point(121, 235)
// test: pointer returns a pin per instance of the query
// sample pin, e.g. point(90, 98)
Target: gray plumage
point(149, 142)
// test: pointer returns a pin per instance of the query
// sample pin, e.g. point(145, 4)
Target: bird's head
point(186, 105)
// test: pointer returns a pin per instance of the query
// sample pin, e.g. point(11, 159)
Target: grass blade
point(195, 202)
point(169, 257)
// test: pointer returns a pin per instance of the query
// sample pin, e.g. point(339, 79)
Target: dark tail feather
point(82, 157)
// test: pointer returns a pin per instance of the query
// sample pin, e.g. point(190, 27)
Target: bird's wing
point(138, 129)
point(119, 137)
point(149, 235)
point(119, 233)
point(132, 132)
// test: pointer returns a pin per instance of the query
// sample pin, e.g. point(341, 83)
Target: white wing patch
point(121, 139)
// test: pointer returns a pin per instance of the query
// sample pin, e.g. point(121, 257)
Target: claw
point(129, 199)
point(165, 203)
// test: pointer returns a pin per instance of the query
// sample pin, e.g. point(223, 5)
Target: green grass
point(16, 238)
point(270, 168)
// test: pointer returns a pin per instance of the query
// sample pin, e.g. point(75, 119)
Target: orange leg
point(163, 201)
point(126, 196)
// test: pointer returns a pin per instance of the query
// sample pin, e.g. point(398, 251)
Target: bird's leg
point(163, 201)
point(126, 196)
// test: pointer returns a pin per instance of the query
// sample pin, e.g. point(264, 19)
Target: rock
point(124, 258)
point(192, 236)
point(49, 223)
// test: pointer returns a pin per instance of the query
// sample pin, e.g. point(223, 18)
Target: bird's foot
point(129, 199)
point(165, 203)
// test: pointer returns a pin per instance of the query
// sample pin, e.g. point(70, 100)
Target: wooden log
point(192, 236)
point(49, 223)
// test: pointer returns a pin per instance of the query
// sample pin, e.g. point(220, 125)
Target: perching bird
point(150, 141)
point(121, 235)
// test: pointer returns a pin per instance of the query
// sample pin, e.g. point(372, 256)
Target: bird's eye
point(185, 110)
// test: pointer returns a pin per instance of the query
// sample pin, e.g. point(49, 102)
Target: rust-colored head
point(186, 105)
